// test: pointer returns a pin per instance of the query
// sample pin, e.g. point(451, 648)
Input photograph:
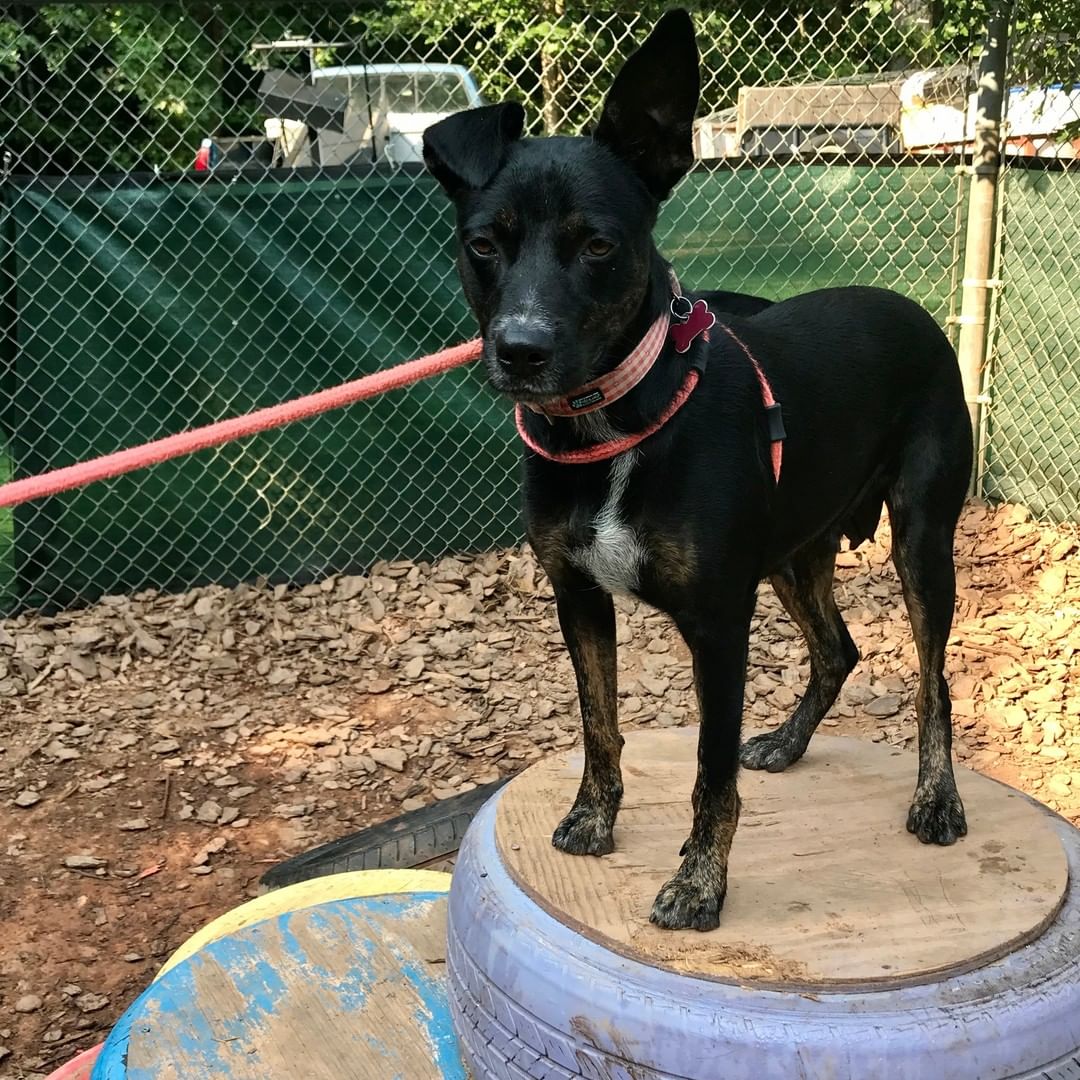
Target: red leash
point(186, 442)
point(772, 409)
point(368, 386)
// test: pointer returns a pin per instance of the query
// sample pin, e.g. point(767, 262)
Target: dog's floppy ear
point(648, 117)
point(465, 150)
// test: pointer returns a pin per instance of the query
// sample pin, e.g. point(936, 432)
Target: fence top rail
point(135, 179)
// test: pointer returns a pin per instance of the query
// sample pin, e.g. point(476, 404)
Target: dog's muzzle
point(524, 350)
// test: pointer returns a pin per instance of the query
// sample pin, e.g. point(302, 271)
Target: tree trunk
point(213, 32)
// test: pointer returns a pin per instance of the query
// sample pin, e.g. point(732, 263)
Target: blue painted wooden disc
point(347, 990)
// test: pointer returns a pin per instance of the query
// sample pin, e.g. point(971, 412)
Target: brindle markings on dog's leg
point(674, 559)
point(807, 595)
point(552, 546)
point(692, 899)
point(937, 814)
point(587, 618)
point(922, 551)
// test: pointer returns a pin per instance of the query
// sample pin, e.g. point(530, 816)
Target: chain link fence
point(210, 207)
point(1031, 441)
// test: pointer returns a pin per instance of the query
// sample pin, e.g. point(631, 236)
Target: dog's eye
point(597, 248)
point(482, 247)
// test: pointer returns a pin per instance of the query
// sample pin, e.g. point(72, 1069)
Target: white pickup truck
point(407, 97)
point(342, 115)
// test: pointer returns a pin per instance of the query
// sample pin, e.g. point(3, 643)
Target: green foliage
point(107, 84)
point(1044, 35)
point(131, 85)
point(135, 85)
point(740, 44)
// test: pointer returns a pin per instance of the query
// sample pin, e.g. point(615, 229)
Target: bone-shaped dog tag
point(699, 320)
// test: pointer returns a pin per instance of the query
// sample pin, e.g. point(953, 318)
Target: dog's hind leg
point(808, 597)
point(924, 505)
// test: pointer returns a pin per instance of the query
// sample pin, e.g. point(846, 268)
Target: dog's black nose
point(524, 349)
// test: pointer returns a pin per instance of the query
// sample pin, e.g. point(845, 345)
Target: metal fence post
point(979, 241)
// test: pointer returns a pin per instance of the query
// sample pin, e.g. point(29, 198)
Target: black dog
point(558, 263)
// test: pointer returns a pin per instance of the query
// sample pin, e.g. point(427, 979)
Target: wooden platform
point(349, 987)
point(827, 889)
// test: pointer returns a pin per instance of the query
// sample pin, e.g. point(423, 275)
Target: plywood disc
point(827, 889)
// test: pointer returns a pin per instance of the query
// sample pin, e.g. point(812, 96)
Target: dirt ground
point(158, 753)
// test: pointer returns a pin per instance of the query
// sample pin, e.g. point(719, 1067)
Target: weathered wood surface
point(826, 888)
point(350, 989)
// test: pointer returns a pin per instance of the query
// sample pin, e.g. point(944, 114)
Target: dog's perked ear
point(465, 150)
point(648, 117)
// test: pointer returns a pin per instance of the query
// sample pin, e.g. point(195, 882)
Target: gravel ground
point(157, 753)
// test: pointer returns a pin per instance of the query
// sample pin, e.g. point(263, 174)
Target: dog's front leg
point(587, 618)
point(692, 899)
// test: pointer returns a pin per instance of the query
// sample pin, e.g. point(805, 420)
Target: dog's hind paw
point(584, 831)
point(774, 751)
point(937, 817)
point(688, 902)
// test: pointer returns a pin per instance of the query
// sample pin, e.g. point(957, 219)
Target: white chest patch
point(615, 555)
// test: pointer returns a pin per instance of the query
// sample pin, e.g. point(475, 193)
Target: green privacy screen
point(144, 311)
point(141, 310)
point(1033, 455)
point(778, 231)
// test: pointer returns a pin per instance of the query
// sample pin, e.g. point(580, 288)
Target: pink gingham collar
point(618, 382)
point(684, 321)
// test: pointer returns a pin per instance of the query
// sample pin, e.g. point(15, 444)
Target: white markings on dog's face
point(529, 315)
point(533, 311)
point(615, 554)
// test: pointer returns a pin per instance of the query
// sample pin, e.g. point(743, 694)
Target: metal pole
point(979, 241)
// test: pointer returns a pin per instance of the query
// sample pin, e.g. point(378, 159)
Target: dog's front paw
point(774, 751)
point(937, 816)
point(690, 901)
point(584, 831)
